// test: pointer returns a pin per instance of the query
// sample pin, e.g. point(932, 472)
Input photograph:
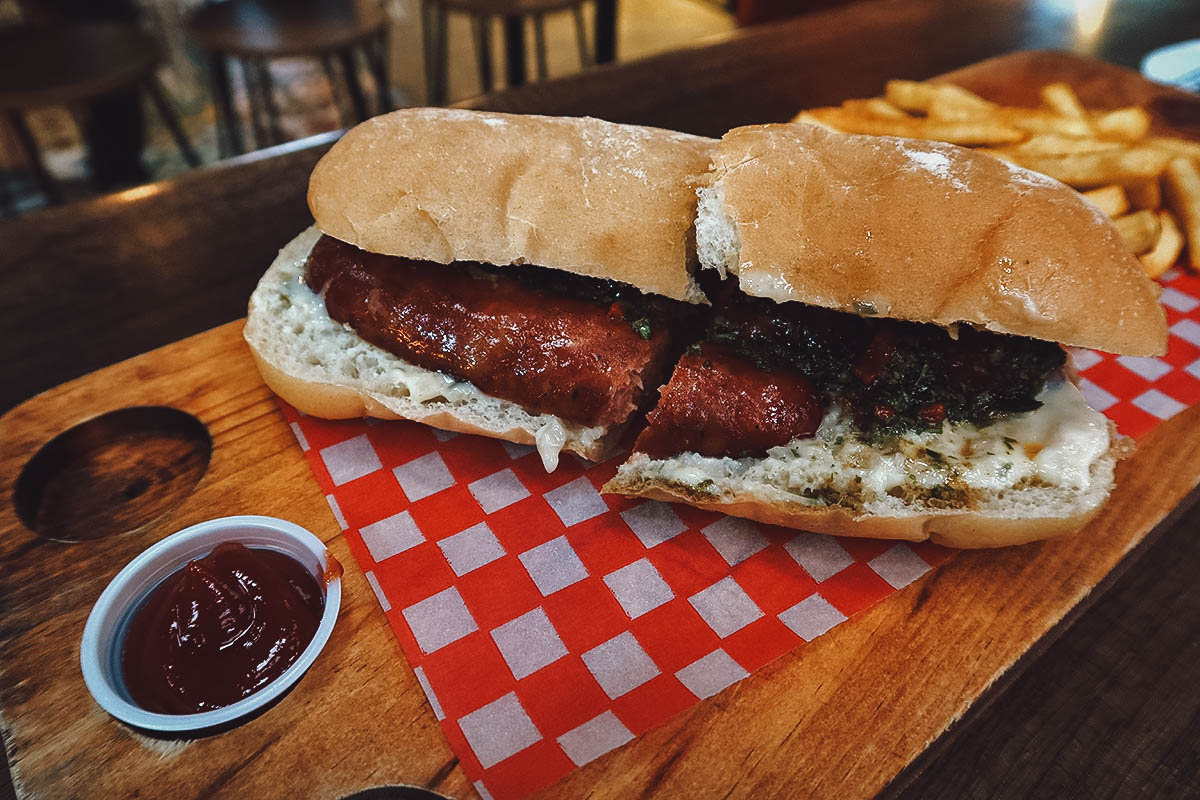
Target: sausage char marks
point(717, 404)
point(767, 372)
point(580, 348)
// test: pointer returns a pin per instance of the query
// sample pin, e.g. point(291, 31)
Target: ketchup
point(219, 630)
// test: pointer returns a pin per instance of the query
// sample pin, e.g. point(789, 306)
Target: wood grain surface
point(89, 284)
point(760, 737)
point(357, 719)
point(901, 671)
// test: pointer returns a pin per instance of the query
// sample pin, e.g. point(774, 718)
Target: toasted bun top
point(578, 194)
point(922, 231)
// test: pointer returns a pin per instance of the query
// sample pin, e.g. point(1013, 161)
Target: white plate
point(100, 651)
point(1175, 65)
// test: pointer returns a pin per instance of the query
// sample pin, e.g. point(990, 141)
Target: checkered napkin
point(549, 624)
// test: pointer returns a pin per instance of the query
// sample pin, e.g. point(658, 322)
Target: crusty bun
point(323, 368)
point(922, 231)
point(844, 488)
point(578, 194)
point(966, 530)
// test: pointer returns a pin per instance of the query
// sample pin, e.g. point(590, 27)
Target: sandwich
point(884, 355)
point(847, 334)
point(520, 277)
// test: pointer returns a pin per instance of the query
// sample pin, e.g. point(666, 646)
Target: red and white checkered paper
point(550, 624)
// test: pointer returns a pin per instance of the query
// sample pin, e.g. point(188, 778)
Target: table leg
point(29, 145)
point(229, 131)
point(605, 34)
point(514, 49)
point(171, 120)
point(357, 100)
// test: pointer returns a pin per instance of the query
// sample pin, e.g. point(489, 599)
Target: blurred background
point(101, 95)
point(292, 68)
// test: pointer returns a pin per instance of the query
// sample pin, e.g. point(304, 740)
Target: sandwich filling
point(860, 412)
point(583, 349)
point(1055, 457)
point(889, 378)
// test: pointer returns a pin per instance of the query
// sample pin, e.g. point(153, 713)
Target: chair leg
point(262, 72)
point(482, 27)
point(171, 120)
point(605, 31)
point(539, 40)
point(441, 55)
point(335, 89)
point(428, 48)
point(585, 52)
point(377, 59)
point(29, 145)
point(8, 202)
point(253, 97)
point(229, 129)
point(350, 72)
point(514, 49)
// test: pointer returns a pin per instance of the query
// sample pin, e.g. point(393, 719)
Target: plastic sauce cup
point(104, 633)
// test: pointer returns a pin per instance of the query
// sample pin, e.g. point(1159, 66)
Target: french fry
point(1145, 193)
point(875, 107)
point(1085, 170)
point(1111, 199)
point(1124, 124)
point(964, 133)
point(1056, 144)
point(955, 101)
point(1185, 148)
point(1166, 251)
point(1036, 120)
point(1181, 183)
point(1109, 155)
point(1062, 98)
point(1140, 230)
point(807, 118)
point(912, 96)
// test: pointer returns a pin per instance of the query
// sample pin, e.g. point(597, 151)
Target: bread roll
point(922, 231)
point(578, 194)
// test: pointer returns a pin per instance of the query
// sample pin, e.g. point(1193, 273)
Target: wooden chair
point(435, 31)
point(72, 65)
point(256, 31)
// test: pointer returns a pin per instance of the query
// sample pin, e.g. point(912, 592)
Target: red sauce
point(219, 630)
point(717, 404)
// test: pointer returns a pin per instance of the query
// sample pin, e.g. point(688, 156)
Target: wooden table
point(1104, 706)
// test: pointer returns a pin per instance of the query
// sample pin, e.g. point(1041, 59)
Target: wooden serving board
point(839, 718)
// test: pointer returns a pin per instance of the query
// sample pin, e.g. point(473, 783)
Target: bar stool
point(256, 31)
point(434, 17)
point(71, 65)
